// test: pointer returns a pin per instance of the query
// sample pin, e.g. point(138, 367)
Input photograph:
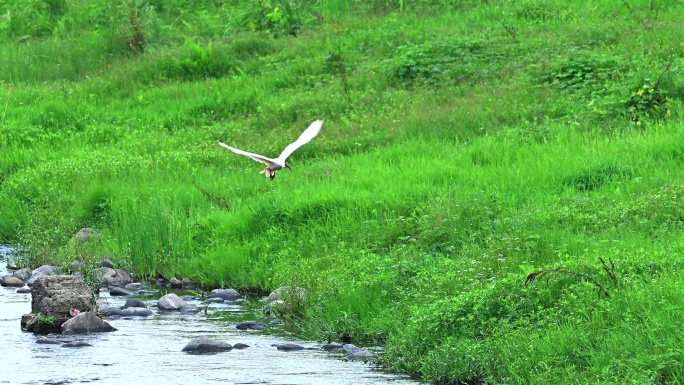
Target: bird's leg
point(269, 173)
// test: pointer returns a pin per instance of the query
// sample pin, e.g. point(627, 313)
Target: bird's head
point(287, 166)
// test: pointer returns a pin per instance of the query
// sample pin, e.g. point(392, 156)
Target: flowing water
point(148, 351)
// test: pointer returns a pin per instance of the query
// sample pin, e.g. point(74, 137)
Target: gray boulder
point(136, 286)
point(240, 345)
point(133, 302)
point(204, 345)
point(47, 341)
point(189, 284)
point(53, 297)
point(75, 344)
point(136, 312)
point(171, 302)
point(215, 300)
point(85, 234)
point(34, 277)
point(111, 311)
point(76, 266)
point(23, 274)
point(48, 270)
point(112, 277)
point(175, 283)
point(11, 281)
point(225, 294)
point(106, 263)
point(190, 309)
point(286, 299)
point(251, 325)
point(332, 346)
point(357, 353)
point(23, 290)
point(289, 347)
point(115, 291)
point(87, 322)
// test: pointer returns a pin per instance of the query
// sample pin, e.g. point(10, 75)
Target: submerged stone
point(253, 325)
point(225, 294)
point(86, 322)
point(205, 345)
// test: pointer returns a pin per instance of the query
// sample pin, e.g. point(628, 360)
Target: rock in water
point(253, 325)
point(205, 345)
point(225, 294)
point(11, 281)
point(53, 297)
point(56, 295)
point(171, 302)
point(133, 302)
point(86, 322)
point(289, 347)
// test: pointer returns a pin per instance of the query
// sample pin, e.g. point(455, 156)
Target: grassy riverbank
point(467, 146)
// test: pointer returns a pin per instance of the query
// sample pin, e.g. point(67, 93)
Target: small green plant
point(608, 268)
point(335, 65)
point(581, 72)
point(433, 61)
point(128, 26)
point(45, 320)
point(272, 16)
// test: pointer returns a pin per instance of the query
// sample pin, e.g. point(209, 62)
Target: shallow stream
point(148, 351)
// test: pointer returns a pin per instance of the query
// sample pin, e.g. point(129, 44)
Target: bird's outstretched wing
point(303, 139)
point(257, 157)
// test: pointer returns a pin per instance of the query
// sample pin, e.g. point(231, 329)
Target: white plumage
point(280, 162)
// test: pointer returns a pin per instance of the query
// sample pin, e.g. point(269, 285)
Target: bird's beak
point(288, 167)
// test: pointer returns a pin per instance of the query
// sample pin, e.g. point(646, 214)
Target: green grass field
point(466, 145)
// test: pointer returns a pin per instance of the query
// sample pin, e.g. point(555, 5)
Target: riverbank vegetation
point(496, 196)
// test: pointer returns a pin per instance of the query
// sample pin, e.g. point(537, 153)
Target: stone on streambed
point(135, 286)
point(205, 345)
point(75, 344)
point(23, 274)
point(225, 294)
point(55, 296)
point(24, 290)
point(48, 270)
point(47, 341)
point(332, 346)
point(189, 284)
point(136, 312)
point(133, 302)
point(115, 291)
point(87, 322)
point(35, 277)
point(357, 353)
point(111, 311)
point(286, 299)
point(171, 302)
point(251, 325)
point(190, 309)
point(11, 281)
point(112, 277)
point(289, 347)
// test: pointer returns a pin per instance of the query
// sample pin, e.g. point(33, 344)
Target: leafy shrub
point(433, 61)
point(540, 11)
point(578, 72)
point(272, 16)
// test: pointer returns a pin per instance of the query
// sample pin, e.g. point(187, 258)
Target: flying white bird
point(281, 161)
